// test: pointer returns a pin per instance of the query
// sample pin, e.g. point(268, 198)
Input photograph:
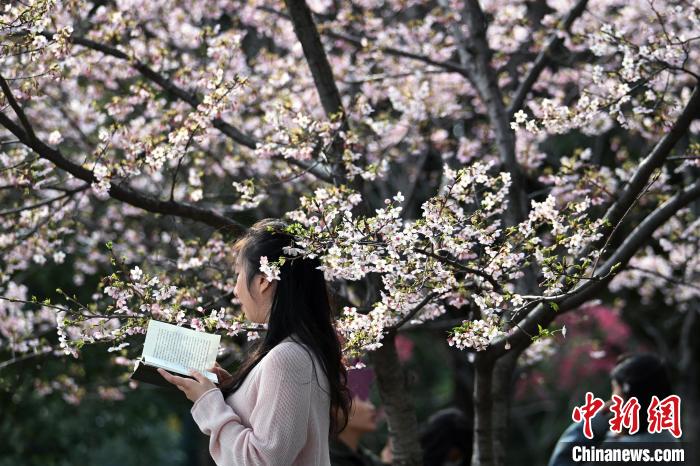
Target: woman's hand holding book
point(220, 372)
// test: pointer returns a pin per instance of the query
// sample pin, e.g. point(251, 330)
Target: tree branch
point(306, 32)
point(480, 273)
point(543, 59)
point(68, 193)
point(543, 315)
point(124, 194)
point(475, 57)
point(654, 160)
point(360, 42)
point(191, 98)
point(413, 311)
point(17, 109)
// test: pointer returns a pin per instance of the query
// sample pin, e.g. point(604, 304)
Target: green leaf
point(554, 306)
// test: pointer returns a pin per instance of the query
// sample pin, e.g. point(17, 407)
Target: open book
point(175, 349)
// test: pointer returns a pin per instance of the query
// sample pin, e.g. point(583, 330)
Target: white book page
point(180, 346)
point(177, 368)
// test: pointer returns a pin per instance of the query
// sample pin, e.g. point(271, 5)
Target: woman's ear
point(263, 283)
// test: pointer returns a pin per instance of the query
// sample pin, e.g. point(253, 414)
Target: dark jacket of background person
point(573, 435)
point(343, 455)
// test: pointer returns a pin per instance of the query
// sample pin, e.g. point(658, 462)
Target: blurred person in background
point(447, 439)
point(635, 375)
point(345, 448)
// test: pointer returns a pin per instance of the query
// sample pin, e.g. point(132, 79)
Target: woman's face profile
point(363, 415)
point(616, 389)
point(256, 300)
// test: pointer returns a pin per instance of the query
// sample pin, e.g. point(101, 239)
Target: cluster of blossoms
point(476, 334)
point(296, 135)
point(670, 272)
point(540, 350)
point(67, 386)
point(248, 199)
point(458, 251)
point(270, 269)
point(360, 331)
point(218, 99)
point(63, 339)
point(19, 328)
point(631, 75)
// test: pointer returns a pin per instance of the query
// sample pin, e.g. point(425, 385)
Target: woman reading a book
point(281, 405)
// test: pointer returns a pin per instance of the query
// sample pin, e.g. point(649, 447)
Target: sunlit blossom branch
point(75, 313)
point(123, 193)
point(186, 96)
point(543, 315)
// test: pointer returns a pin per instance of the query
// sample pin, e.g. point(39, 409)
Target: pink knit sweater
point(279, 415)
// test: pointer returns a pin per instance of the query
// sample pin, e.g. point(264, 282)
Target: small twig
point(17, 109)
point(462, 267)
point(667, 278)
point(43, 203)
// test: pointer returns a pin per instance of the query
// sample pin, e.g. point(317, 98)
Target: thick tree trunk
point(482, 451)
point(401, 415)
point(501, 390)
point(493, 383)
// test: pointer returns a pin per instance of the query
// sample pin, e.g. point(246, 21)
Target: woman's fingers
point(181, 382)
point(198, 376)
point(220, 372)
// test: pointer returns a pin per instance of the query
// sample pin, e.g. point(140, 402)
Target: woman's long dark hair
point(300, 307)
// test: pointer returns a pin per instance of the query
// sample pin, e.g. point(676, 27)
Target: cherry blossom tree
point(505, 162)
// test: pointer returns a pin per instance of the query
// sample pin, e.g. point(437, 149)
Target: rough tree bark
point(401, 414)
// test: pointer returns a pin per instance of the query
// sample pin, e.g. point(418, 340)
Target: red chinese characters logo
point(586, 412)
point(665, 415)
point(626, 415)
point(661, 414)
